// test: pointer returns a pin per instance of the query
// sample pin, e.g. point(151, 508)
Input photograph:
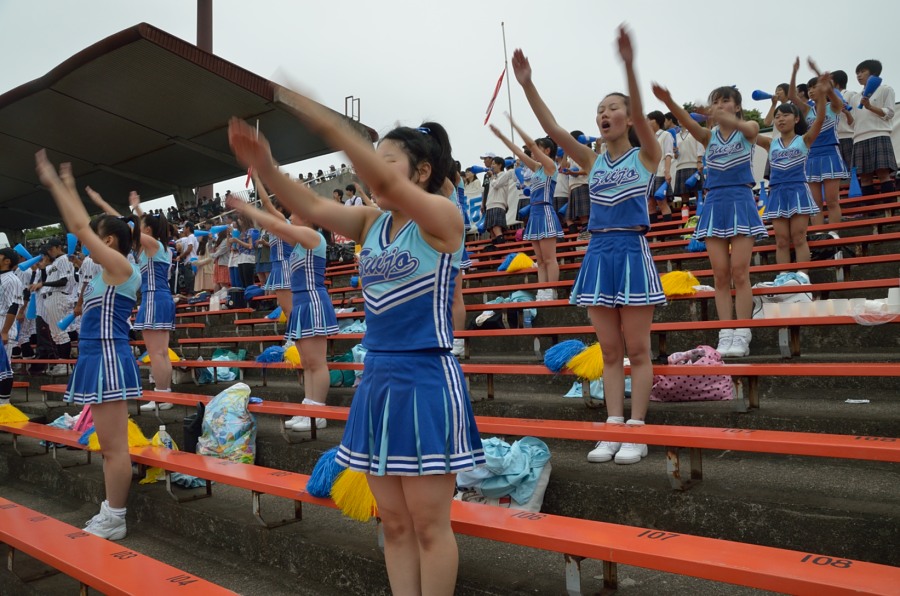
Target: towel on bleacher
point(509, 470)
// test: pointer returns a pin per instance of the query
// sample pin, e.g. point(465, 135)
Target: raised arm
point(824, 84)
point(650, 150)
point(541, 158)
point(99, 202)
point(116, 268)
point(275, 224)
point(584, 156)
point(264, 196)
point(531, 164)
point(149, 244)
point(748, 128)
point(792, 89)
point(684, 118)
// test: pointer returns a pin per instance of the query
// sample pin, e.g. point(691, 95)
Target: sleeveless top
point(729, 161)
point(107, 309)
point(308, 267)
point(155, 270)
point(542, 187)
point(407, 288)
point(828, 134)
point(788, 163)
point(619, 191)
point(279, 250)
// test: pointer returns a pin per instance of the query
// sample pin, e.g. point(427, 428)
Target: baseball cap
point(55, 243)
point(488, 154)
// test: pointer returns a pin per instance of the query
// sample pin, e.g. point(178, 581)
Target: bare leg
point(428, 499)
point(741, 250)
point(815, 189)
point(111, 423)
point(158, 348)
point(636, 322)
point(401, 549)
point(608, 326)
point(285, 301)
point(316, 379)
point(832, 200)
point(539, 259)
point(782, 239)
point(548, 255)
point(721, 266)
point(798, 225)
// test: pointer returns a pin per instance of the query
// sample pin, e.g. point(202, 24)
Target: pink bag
point(693, 388)
point(519, 234)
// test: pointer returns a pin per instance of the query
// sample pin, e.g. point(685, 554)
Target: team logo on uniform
point(390, 265)
point(602, 181)
point(715, 151)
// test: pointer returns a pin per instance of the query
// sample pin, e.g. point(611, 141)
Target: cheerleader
point(411, 427)
point(279, 280)
point(617, 281)
point(105, 374)
point(312, 317)
point(543, 226)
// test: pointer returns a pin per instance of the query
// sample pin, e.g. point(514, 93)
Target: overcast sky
point(409, 61)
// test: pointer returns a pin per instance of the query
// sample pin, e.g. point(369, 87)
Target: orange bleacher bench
point(100, 564)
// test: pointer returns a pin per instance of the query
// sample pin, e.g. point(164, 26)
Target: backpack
point(342, 378)
point(824, 253)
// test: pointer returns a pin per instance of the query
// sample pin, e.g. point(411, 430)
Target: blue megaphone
point(847, 106)
point(216, 230)
point(520, 174)
point(562, 210)
point(480, 227)
point(66, 321)
point(23, 252)
point(855, 188)
point(763, 195)
point(660, 194)
point(698, 117)
point(85, 251)
point(509, 162)
point(201, 233)
point(692, 181)
point(872, 86)
point(26, 265)
point(526, 191)
point(71, 243)
point(235, 233)
point(478, 169)
point(274, 314)
point(584, 139)
point(524, 211)
point(560, 152)
point(354, 281)
point(761, 95)
point(31, 311)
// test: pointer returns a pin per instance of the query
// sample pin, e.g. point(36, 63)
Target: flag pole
point(512, 132)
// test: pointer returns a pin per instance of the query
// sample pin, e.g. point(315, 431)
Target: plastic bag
point(229, 429)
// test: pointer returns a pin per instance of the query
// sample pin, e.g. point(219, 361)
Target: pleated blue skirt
point(411, 416)
point(617, 270)
point(729, 211)
point(825, 163)
point(156, 312)
point(105, 371)
point(789, 199)
point(279, 278)
point(543, 222)
point(311, 314)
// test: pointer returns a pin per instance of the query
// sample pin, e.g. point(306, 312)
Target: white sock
point(117, 511)
point(633, 422)
point(4, 401)
point(311, 402)
point(163, 390)
point(615, 419)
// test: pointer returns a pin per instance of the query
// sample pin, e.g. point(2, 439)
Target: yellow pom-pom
point(352, 495)
point(136, 438)
point(292, 355)
point(588, 364)
point(10, 413)
point(521, 261)
point(282, 318)
point(173, 357)
point(679, 283)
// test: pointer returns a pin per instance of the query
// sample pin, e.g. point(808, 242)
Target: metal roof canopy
point(140, 110)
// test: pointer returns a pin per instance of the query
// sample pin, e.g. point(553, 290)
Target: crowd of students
point(410, 427)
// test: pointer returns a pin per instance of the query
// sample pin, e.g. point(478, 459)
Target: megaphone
point(26, 265)
point(526, 191)
point(660, 194)
point(354, 281)
point(560, 152)
point(761, 95)
point(201, 233)
point(478, 169)
point(216, 230)
point(71, 243)
point(235, 233)
point(23, 252)
point(524, 211)
point(871, 87)
point(698, 117)
point(855, 188)
point(66, 321)
point(562, 210)
point(85, 251)
point(584, 139)
point(520, 174)
point(31, 311)
point(692, 181)
point(509, 162)
point(847, 106)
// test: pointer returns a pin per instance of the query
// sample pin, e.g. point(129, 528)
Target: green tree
point(44, 232)
point(754, 114)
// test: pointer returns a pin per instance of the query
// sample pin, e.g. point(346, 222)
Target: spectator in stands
point(186, 251)
point(351, 199)
point(579, 206)
point(338, 196)
point(664, 170)
point(617, 281)
point(263, 259)
point(103, 345)
point(204, 279)
point(688, 161)
point(245, 245)
point(217, 204)
point(845, 124)
point(279, 280)
point(55, 289)
point(494, 209)
point(873, 151)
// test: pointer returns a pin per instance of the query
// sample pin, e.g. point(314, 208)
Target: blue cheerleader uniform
point(106, 369)
point(411, 414)
point(825, 161)
point(729, 209)
point(788, 192)
point(617, 269)
point(280, 255)
point(543, 222)
point(311, 310)
point(462, 203)
point(157, 309)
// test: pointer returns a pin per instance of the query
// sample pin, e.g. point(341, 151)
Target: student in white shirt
point(663, 170)
point(873, 152)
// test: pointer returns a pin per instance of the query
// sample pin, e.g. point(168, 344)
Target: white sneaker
point(150, 406)
point(740, 345)
point(58, 370)
point(726, 336)
point(459, 347)
point(603, 451)
point(289, 424)
point(106, 524)
point(305, 425)
point(631, 453)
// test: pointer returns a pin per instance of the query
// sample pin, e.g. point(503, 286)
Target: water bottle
point(685, 211)
point(214, 303)
point(165, 438)
point(527, 317)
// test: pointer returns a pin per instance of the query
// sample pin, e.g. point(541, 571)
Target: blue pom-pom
point(274, 314)
point(505, 264)
point(324, 474)
point(271, 354)
point(556, 357)
point(696, 245)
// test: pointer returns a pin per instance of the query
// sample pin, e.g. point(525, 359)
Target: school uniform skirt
point(847, 151)
point(874, 154)
point(825, 163)
point(411, 416)
point(494, 217)
point(579, 202)
point(680, 186)
point(543, 222)
point(729, 211)
point(156, 312)
point(279, 278)
point(105, 371)
point(312, 314)
point(617, 270)
point(789, 199)
point(221, 275)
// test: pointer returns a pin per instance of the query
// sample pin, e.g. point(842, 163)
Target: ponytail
point(429, 144)
point(159, 227)
point(126, 231)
